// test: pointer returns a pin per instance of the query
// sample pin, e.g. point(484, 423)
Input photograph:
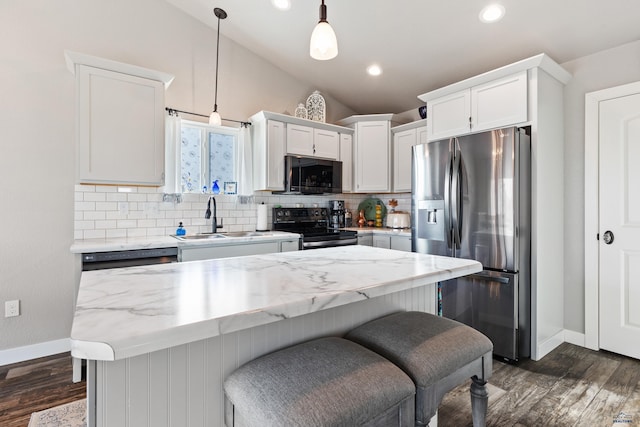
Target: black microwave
point(308, 175)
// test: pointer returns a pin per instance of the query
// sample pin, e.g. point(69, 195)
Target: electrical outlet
point(12, 308)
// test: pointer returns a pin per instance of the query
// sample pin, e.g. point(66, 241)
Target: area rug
point(72, 414)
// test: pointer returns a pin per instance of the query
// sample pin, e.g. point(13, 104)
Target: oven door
point(331, 240)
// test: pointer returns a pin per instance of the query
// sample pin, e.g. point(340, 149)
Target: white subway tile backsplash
point(85, 206)
point(126, 223)
point(116, 233)
point(103, 225)
point(94, 234)
point(98, 214)
point(106, 206)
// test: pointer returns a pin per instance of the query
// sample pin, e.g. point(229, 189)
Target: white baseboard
point(28, 352)
point(575, 338)
point(546, 347)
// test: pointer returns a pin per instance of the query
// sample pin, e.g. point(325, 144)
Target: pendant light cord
point(215, 99)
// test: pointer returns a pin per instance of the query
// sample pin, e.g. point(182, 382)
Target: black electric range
point(313, 225)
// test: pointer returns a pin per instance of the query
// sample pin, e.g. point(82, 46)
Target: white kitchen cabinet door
point(499, 103)
point(268, 153)
point(449, 116)
point(290, 245)
point(120, 128)
point(197, 253)
point(402, 147)
point(346, 157)
point(365, 239)
point(372, 156)
point(299, 140)
point(401, 243)
point(380, 241)
point(326, 144)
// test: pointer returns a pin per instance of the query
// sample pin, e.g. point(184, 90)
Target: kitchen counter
point(380, 230)
point(131, 243)
point(127, 312)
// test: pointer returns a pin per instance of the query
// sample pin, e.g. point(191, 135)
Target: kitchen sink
point(246, 233)
point(230, 234)
point(201, 236)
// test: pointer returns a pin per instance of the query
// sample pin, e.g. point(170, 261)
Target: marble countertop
point(125, 312)
point(131, 243)
point(380, 230)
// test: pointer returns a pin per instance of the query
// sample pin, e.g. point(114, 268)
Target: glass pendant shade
point(215, 119)
point(324, 44)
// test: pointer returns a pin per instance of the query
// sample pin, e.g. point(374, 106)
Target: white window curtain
point(244, 168)
point(173, 139)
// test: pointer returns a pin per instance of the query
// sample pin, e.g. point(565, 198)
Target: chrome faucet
point(207, 215)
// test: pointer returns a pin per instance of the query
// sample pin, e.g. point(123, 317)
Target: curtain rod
point(173, 110)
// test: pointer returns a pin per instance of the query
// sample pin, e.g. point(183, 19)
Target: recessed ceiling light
point(374, 70)
point(492, 13)
point(281, 4)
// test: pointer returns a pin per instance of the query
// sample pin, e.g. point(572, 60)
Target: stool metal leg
point(479, 401)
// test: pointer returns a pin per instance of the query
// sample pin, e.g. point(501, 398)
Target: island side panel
point(182, 386)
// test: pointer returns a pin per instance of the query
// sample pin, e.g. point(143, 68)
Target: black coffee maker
point(336, 214)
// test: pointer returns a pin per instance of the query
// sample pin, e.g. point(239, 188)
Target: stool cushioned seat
point(437, 353)
point(324, 382)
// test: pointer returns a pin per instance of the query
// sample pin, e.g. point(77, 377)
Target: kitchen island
point(161, 339)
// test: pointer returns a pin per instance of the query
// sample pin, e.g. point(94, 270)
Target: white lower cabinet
point(196, 253)
point(290, 246)
point(381, 241)
point(401, 243)
point(386, 240)
point(365, 239)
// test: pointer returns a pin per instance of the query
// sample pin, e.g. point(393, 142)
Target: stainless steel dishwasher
point(129, 258)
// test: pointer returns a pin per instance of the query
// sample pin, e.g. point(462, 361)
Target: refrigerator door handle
point(480, 276)
point(456, 220)
point(447, 197)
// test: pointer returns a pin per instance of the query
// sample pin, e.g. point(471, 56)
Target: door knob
point(608, 237)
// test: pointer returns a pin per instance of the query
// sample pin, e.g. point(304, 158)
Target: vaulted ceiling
point(421, 45)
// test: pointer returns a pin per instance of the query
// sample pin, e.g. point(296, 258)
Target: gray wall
point(605, 69)
point(37, 136)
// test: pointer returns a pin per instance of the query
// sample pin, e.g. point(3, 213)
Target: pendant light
point(214, 118)
point(324, 44)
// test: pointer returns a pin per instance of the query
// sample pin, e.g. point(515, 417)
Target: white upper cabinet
point(120, 121)
point(404, 138)
point(498, 103)
point(326, 144)
point(449, 115)
point(299, 140)
point(276, 135)
point(313, 142)
point(346, 157)
point(268, 153)
point(372, 152)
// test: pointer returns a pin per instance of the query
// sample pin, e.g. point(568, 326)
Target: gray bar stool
point(437, 353)
point(325, 382)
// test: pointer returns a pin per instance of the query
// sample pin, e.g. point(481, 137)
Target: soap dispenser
point(180, 231)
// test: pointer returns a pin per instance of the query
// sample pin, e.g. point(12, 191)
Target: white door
point(619, 230)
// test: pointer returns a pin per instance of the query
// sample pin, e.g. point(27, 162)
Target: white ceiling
point(420, 44)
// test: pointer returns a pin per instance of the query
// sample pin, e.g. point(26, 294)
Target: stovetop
point(312, 223)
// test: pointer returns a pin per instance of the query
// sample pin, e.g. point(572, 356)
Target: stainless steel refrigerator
point(471, 199)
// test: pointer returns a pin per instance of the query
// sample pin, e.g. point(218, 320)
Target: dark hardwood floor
point(35, 385)
point(571, 386)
